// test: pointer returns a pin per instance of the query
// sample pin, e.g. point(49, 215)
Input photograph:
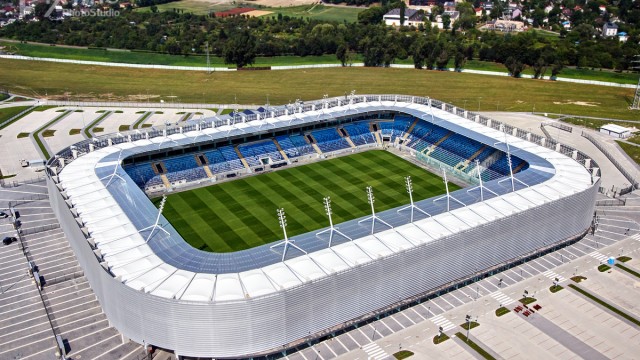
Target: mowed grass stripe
point(241, 214)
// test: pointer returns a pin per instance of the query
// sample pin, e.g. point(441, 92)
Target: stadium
point(522, 195)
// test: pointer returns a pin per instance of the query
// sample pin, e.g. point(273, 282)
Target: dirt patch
point(142, 97)
point(256, 13)
point(579, 103)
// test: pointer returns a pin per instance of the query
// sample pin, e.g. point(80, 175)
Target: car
point(3, 215)
point(8, 240)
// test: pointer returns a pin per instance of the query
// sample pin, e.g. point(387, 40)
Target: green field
point(475, 92)
point(316, 12)
point(241, 214)
point(147, 58)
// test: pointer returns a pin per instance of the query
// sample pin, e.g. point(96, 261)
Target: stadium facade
point(157, 290)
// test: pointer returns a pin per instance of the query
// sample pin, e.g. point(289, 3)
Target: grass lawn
point(502, 311)
point(133, 57)
point(252, 87)
point(482, 352)
point(603, 268)
point(623, 259)
point(241, 214)
point(578, 279)
point(528, 300)
point(123, 128)
point(403, 354)
point(23, 135)
point(631, 150)
point(87, 130)
point(630, 271)
point(605, 304)
point(74, 131)
point(555, 288)
point(440, 338)
point(471, 325)
point(8, 113)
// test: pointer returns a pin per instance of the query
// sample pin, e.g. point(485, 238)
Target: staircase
point(208, 171)
point(186, 117)
point(406, 133)
point(284, 155)
point(314, 143)
point(345, 135)
point(244, 162)
point(434, 146)
point(165, 181)
point(378, 140)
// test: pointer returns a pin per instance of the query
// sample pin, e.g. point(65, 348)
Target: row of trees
point(239, 40)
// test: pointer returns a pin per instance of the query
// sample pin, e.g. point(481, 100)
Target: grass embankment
point(555, 288)
point(215, 218)
point(253, 87)
point(475, 346)
point(438, 339)
point(605, 304)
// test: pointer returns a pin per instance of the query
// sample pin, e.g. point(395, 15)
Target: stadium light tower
point(373, 216)
point(114, 174)
point(511, 177)
point(156, 225)
point(282, 218)
point(409, 186)
point(636, 98)
point(331, 229)
point(481, 185)
point(448, 196)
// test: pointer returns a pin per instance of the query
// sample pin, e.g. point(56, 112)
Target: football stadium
point(257, 233)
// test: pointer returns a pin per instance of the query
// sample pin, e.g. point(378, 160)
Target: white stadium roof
point(131, 259)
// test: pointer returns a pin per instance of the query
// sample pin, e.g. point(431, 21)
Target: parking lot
point(66, 306)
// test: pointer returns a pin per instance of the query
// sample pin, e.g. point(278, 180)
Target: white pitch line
point(75, 354)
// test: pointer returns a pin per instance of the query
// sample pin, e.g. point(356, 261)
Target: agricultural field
point(475, 92)
point(241, 214)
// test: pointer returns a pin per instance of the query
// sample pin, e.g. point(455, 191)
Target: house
point(479, 11)
point(548, 9)
point(449, 6)
point(412, 17)
point(516, 13)
point(566, 24)
point(453, 16)
point(622, 36)
point(609, 29)
point(616, 131)
point(603, 9)
point(505, 25)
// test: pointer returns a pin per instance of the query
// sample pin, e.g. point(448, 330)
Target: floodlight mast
point(409, 186)
point(331, 229)
point(481, 184)
point(373, 216)
point(511, 177)
point(115, 171)
point(156, 224)
point(448, 196)
point(282, 219)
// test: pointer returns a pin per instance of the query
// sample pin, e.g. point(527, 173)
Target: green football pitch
point(241, 214)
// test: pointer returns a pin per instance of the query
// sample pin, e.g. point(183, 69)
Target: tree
point(419, 52)
point(442, 60)
point(240, 49)
point(515, 66)
point(555, 69)
point(446, 21)
point(539, 68)
point(403, 7)
point(459, 60)
point(341, 54)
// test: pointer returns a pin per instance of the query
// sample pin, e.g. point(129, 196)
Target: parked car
point(8, 240)
point(3, 215)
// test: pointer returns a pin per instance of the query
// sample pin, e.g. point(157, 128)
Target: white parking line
point(52, 351)
point(445, 300)
point(352, 339)
point(414, 310)
point(75, 354)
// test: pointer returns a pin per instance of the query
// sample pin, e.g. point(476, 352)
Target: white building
point(616, 131)
point(609, 29)
point(412, 17)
